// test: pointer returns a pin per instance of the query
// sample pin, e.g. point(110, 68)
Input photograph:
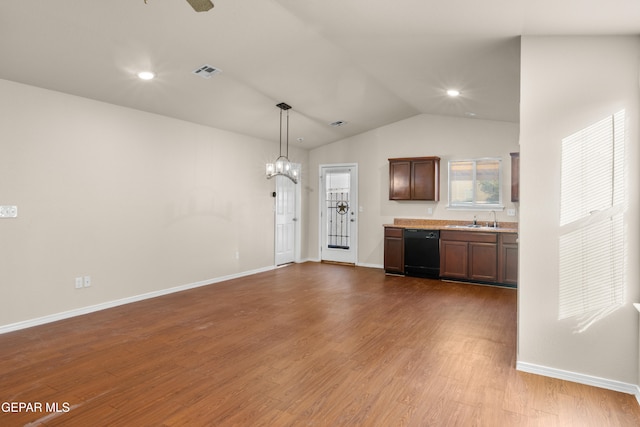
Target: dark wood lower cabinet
point(454, 259)
point(479, 256)
point(469, 255)
point(483, 262)
point(508, 259)
point(393, 250)
point(475, 256)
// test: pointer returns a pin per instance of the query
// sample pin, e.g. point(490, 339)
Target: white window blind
point(475, 184)
point(592, 202)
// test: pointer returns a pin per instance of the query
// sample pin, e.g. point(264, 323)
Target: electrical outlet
point(79, 282)
point(8, 211)
point(87, 281)
point(511, 212)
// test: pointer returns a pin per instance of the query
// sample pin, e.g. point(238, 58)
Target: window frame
point(474, 205)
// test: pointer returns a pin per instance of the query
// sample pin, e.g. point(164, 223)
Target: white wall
point(139, 202)
point(568, 83)
point(424, 135)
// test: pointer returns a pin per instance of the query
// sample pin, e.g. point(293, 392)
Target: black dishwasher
point(422, 252)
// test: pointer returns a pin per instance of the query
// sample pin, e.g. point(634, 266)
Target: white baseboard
point(109, 304)
point(362, 264)
point(580, 378)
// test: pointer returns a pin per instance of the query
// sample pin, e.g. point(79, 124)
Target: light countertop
point(440, 224)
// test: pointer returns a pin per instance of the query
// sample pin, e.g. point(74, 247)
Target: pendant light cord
point(280, 132)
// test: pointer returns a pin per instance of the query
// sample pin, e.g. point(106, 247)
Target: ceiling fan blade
point(200, 5)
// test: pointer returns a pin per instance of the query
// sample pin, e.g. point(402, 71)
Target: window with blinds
point(592, 204)
point(475, 184)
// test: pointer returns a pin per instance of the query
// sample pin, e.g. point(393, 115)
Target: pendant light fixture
point(282, 165)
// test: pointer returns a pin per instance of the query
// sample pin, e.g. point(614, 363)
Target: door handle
point(353, 220)
point(294, 219)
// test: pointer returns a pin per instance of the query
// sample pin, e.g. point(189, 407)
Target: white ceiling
point(366, 62)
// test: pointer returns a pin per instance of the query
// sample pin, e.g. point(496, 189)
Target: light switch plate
point(8, 211)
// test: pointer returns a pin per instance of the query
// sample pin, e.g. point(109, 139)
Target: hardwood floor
point(310, 344)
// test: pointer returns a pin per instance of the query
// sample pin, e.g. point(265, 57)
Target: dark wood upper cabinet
point(515, 177)
point(399, 180)
point(414, 178)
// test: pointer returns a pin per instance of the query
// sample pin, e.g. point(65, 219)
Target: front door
point(338, 213)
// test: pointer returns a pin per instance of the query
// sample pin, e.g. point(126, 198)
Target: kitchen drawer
point(393, 232)
point(469, 236)
point(510, 238)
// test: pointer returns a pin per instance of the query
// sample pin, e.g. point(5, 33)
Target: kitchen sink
point(470, 226)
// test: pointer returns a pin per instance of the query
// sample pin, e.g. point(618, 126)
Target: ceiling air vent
point(206, 71)
point(338, 123)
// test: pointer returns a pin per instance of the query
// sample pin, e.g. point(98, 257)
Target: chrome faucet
point(495, 223)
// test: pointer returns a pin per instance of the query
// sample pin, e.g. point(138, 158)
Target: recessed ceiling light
point(453, 93)
point(300, 140)
point(146, 75)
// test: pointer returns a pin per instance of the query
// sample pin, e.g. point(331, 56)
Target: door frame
point(354, 203)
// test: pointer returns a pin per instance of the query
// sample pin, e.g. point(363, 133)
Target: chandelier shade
point(282, 165)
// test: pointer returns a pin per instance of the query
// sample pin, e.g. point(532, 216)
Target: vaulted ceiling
point(365, 62)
